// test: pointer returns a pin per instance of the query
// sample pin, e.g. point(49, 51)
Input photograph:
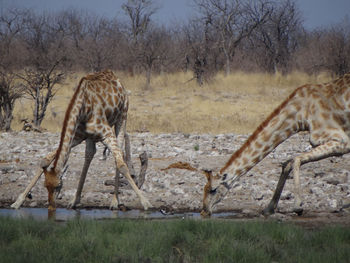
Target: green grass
point(169, 241)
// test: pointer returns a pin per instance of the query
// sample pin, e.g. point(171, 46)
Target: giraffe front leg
point(46, 161)
point(286, 168)
point(90, 150)
point(115, 200)
point(123, 169)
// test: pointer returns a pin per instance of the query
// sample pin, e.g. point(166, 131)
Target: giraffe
point(322, 110)
point(98, 103)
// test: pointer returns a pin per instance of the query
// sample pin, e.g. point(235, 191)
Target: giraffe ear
point(208, 174)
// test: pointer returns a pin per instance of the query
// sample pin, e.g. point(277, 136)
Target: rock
point(258, 196)
point(332, 181)
point(344, 187)
point(333, 203)
point(286, 195)
point(33, 204)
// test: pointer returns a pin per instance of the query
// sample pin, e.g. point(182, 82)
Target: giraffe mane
point(99, 75)
point(258, 130)
point(66, 118)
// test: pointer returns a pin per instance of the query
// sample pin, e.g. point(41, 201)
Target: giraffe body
point(322, 110)
point(97, 112)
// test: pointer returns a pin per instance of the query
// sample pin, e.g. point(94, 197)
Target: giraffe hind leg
point(331, 148)
point(323, 151)
point(286, 168)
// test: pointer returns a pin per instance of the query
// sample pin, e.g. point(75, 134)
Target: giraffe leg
point(286, 168)
point(119, 130)
point(90, 150)
point(53, 181)
point(328, 149)
point(331, 148)
point(123, 141)
point(111, 141)
point(44, 163)
point(115, 200)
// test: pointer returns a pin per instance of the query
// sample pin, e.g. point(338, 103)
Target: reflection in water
point(63, 214)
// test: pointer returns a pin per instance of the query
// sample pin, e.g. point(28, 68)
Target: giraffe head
point(53, 185)
point(214, 191)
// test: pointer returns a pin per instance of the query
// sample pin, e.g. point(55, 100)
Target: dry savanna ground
point(236, 103)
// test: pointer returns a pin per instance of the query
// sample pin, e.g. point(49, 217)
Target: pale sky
point(316, 13)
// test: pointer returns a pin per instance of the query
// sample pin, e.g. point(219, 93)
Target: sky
point(316, 13)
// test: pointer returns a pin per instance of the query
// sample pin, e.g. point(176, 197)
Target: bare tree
point(274, 42)
point(337, 48)
point(234, 20)
point(200, 45)
point(139, 13)
point(10, 91)
point(146, 40)
point(152, 49)
point(11, 25)
point(40, 87)
point(44, 40)
point(96, 40)
point(325, 49)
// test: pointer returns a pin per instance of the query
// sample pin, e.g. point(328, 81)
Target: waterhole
point(63, 214)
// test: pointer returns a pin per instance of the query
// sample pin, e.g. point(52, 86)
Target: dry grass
point(236, 103)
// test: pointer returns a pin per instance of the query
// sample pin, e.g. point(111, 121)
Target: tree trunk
point(36, 107)
point(8, 117)
point(228, 66)
point(148, 77)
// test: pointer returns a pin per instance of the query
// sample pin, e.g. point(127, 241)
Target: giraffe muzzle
point(205, 213)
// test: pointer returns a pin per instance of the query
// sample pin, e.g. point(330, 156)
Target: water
point(63, 214)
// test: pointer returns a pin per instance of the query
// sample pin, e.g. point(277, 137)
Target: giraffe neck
point(278, 127)
point(70, 124)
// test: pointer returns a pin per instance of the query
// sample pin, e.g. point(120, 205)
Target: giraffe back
point(327, 115)
point(105, 104)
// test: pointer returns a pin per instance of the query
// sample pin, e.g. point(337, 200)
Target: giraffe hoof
point(73, 205)
point(146, 204)
point(114, 205)
point(268, 211)
point(123, 208)
point(205, 214)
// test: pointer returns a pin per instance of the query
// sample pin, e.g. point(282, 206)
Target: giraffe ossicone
point(322, 110)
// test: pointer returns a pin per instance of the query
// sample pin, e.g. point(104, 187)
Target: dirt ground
point(325, 184)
